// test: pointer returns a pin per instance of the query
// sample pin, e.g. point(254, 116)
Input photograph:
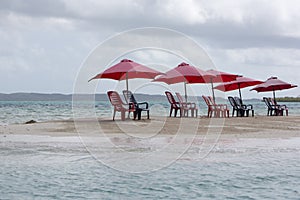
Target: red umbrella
point(220, 77)
point(127, 69)
point(185, 73)
point(240, 82)
point(273, 84)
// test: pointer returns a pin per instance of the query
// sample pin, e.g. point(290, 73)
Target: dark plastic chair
point(246, 108)
point(174, 104)
point(282, 108)
point(238, 108)
point(273, 110)
point(139, 106)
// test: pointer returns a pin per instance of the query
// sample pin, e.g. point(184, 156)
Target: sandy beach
point(251, 127)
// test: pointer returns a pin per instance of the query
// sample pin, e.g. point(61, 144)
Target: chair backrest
point(212, 101)
point(238, 101)
point(115, 100)
point(207, 101)
point(267, 102)
point(128, 96)
point(232, 102)
point(272, 101)
point(179, 97)
point(171, 98)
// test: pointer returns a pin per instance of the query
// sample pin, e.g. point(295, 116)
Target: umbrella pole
point(240, 93)
point(212, 89)
point(127, 81)
point(185, 95)
point(274, 95)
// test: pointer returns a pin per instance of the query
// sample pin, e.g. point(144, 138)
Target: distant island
point(22, 96)
point(288, 99)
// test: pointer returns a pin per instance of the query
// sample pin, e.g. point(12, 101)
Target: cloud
point(52, 38)
point(243, 21)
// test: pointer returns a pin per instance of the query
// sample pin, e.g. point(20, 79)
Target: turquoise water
point(22, 111)
point(236, 169)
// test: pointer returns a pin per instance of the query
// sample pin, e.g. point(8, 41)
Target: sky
point(44, 44)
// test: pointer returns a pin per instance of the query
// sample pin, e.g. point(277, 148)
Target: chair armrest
point(283, 107)
point(143, 103)
point(275, 106)
point(193, 105)
point(184, 103)
point(223, 106)
point(249, 106)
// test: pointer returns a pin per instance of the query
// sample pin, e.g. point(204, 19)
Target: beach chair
point(139, 106)
point(282, 108)
point(119, 106)
point(214, 110)
point(273, 110)
point(186, 106)
point(210, 108)
point(235, 107)
point(223, 109)
point(247, 108)
point(238, 108)
point(174, 104)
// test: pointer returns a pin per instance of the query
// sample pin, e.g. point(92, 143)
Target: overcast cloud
point(44, 42)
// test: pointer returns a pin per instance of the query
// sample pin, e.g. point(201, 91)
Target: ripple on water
point(66, 171)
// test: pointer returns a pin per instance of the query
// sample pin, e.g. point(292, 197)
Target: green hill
point(288, 99)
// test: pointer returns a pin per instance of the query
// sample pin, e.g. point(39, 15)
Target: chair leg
point(139, 114)
point(123, 115)
point(136, 114)
point(114, 114)
point(148, 115)
point(171, 110)
point(182, 112)
point(128, 116)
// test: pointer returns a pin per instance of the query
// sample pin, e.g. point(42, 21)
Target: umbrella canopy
point(185, 73)
point(220, 77)
point(273, 84)
point(127, 69)
point(240, 82)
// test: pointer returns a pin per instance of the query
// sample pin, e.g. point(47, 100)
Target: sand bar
point(251, 127)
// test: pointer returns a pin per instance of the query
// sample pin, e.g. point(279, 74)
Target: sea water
point(43, 167)
point(23, 111)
